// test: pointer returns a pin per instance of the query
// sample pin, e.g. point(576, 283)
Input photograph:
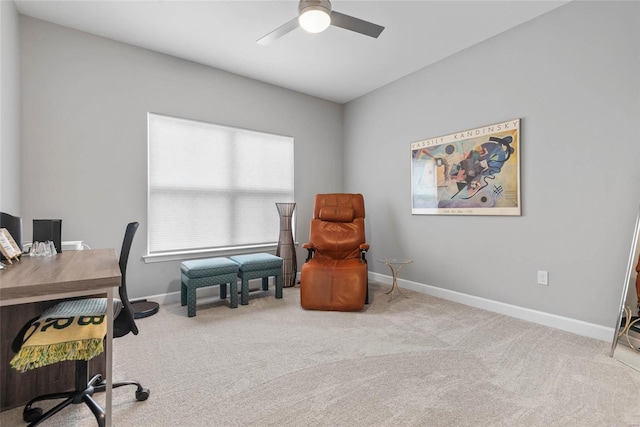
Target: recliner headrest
point(336, 214)
point(339, 201)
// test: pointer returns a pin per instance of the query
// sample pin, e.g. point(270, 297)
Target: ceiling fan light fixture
point(315, 16)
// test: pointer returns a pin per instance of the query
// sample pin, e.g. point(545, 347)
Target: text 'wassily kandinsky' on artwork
point(473, 172)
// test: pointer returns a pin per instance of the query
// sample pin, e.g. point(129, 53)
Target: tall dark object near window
point(48, 229)
point(286, 247)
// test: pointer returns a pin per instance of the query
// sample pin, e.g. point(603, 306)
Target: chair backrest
point(125, 322)
point(337, 227)
point(13, 224)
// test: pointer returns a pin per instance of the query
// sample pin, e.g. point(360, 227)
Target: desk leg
point(109, 358)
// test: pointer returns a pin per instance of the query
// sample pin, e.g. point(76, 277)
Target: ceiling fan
point(315, 16)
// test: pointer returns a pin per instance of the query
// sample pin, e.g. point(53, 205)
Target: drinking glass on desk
point(33, 249)
point(42, 249)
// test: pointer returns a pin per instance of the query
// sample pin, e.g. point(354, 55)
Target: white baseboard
point(169, 298)
point(203, 293)
point(579, 327)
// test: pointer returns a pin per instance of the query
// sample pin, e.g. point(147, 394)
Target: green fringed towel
point(72, 330)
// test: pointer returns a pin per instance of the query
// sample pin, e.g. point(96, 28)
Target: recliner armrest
point(310, 250)
point(364, 247)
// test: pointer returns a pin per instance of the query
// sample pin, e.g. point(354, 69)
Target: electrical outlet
point(543, 277)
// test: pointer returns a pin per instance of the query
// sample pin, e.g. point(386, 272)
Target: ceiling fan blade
point(354, 24)
point(279, 32)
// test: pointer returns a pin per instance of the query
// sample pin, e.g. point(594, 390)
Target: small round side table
point(395, 265)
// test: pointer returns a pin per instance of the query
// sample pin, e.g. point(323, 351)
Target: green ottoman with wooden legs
point(200, 273)
point(255, 266)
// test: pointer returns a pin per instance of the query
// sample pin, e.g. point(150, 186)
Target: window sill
point(207, 253)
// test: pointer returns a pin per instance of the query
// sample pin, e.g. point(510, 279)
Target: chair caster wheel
point(142, 394)
point(32, 414)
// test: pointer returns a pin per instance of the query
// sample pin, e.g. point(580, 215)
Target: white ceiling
point(338, 65)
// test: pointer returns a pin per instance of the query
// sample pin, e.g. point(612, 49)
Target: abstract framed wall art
point(473, 172)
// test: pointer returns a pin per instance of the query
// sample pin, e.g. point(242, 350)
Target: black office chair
point(13, 224)
point(122, 325)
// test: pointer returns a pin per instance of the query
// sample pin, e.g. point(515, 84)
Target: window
point(214, 188)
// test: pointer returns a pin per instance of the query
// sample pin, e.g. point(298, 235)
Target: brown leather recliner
point(334, 275)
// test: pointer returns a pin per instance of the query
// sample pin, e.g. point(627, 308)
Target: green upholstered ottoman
point(254, 266)
point(199, 273)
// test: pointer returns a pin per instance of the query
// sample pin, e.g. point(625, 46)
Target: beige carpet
point(420, 361)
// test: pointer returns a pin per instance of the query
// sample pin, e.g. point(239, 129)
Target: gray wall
point(9, 109)
point(572, 76)
point(85, 101)
point(571, 79)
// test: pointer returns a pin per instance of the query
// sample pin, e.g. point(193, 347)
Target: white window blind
point(214, 187)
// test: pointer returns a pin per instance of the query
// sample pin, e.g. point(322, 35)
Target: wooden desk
point(65, 275)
